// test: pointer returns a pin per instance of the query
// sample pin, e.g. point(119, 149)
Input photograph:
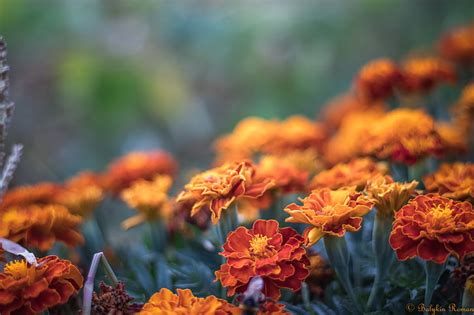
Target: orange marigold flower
point(453, 137)
point(330, 212)
point(347, 143)
point(184, 302)
point(42, 193)
point(389, 196)
point(219, 187)
point(26, 289)
point(403, 135)
point(273, 253)
point(287, 176)
point(377, 80)
point(39, 226)
point(150, 198)
point(138, 165)
point(454, 180)
point(458, 44)
point(464, 109)
point(433, 227)
point(420, 75)
point(355, 173)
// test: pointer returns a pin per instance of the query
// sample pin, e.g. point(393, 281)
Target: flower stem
point(383, 255)
point(433, 273)
point(338, 255)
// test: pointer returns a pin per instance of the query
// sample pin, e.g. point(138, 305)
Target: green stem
point(338, 255)
point(383, 255)
point(433, 273)
point(158, 235)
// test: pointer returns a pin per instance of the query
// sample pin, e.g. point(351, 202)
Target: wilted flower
point(320, 274)
point(458, 44)
point(433, 227)
point(389, 196)
point(377, 80)
point(40, 226)
point(219, 187)
point(113, 301)
point(403, 135)
point(184, 302)
point(287, 175)
point(355, 173)
point(420, 75)
point(26, 289)
point(138, 165)
point(150, 198)
point(275, 254)
point(452, 181)
point(331, 212)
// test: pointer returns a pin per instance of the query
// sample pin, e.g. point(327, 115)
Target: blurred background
point(93, 80)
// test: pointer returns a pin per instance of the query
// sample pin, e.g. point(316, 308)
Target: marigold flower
point(389, 196)
point(219, 187)
point(114, 300)
point(454, 180)
point(287, 176)
point(138, 165)
point(377, 80)
point(420, 75)
point(464, 109)
point(355, 173)
point(433, 227)
point(150, 198)
point(39, 226)
point(458, 44)
point(26, 289)
point(275, 254)
point(403, 135)
point(41, 193)
point(331, 212)
point(184, 302)
point(453, 138)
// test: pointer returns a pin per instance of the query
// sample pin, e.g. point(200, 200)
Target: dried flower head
point(420, 75)
point(320, 274)
point(389, 196)
point(454, 180)
point(138, 165)
point(26, 289)
point(355, 173)
point(273, 253)
point(433, 227)
point(330, 212)
point(40, 226)
point(114, 301)
point(377, 80)
point(458, 277)
point(219, 187)
point(458, 44)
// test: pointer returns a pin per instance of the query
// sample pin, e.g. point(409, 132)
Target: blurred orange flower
point(377, 80)
point(275, 254)
point(184, 302)
point(453, 137)
point(420, 75)
point(458, 44)
point(464, 109)
point(403, 135)
point(355, 173)
point(40, 226)
point(138, 165)
point(389, 196)
point(219, 187)
point(454, 180)
point(150, 198)
point(433, 227)
point(330, 212)
point(41, 193)
point(286, 174)
point(26, 289)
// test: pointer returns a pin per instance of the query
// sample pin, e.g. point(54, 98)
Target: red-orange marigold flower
point(275, 254)
point(138, 165)
point(330, 212)
point(287, 175)
point(41, 193)
point(420, 75)
point(433, 227)
point(355, 173)
point(458, 44)
point(377, 80)
point(219, 187)
point(454, 180)
point(26, 289)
